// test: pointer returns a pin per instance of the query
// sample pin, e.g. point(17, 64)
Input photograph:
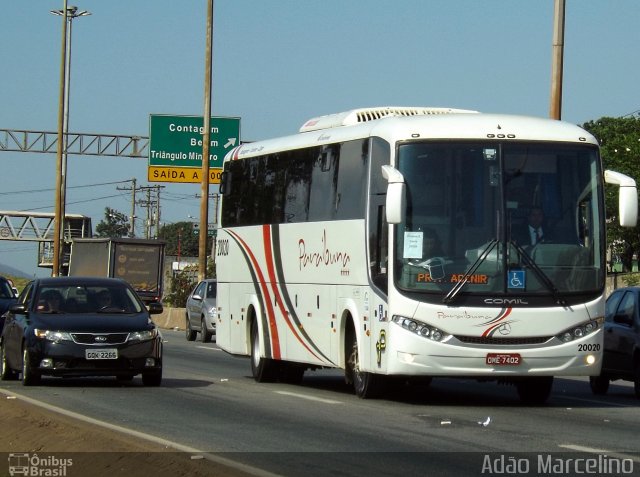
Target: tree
point(620, 148)
point(114, 225)
point(179, 289)
point(182, 235)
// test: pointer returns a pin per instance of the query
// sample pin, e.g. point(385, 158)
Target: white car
point(201, 312)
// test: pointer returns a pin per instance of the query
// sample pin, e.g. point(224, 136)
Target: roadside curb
point(171, 318)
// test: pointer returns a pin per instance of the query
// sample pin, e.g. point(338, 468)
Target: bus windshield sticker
point(413, 244)
point(516, 279)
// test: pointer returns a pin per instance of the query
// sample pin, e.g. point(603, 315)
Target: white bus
point(386, 242)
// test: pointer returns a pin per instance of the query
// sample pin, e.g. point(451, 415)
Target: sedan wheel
point(152, 378)
point(205, 336)
point(29, 376)
point(190, 334)
point(6, 373)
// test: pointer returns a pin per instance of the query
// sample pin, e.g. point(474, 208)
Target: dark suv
point(7, 298)
point(621, 358)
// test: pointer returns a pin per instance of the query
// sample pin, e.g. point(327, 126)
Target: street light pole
point(67, 14)
point(555, 108)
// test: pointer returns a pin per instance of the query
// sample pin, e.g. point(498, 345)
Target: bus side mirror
point(225, 183)
point(396, 195)
point(627, 197)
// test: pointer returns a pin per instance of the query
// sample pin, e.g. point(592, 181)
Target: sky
point(277, 63)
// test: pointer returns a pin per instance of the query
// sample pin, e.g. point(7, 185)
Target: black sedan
point(621, 359)
point(79, 326)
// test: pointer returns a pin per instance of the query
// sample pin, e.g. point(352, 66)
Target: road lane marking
point(310, 398)
point(208, 347)
point(141, 435)
point(591, 450)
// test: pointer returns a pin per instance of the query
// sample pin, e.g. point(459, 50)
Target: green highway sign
point(176, 141)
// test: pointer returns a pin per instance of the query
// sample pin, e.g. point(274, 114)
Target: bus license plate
point(101, 353)
point(503, 359)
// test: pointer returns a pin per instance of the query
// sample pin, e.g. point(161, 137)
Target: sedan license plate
point(503, 359)
point(110, 353)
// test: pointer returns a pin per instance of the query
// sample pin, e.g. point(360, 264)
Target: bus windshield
point(499, 218)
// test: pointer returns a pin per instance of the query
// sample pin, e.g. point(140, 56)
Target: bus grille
point(504, 341)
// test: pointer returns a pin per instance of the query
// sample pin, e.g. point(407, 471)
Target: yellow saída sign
point(181, 174)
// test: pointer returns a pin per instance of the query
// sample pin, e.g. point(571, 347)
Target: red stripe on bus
point(487, 332)
point(275, 342)
point(268, 255)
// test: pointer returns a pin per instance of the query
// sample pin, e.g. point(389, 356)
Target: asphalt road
point(209, 402)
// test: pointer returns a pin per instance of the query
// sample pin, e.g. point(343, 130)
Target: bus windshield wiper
point(470, 271)
point(540, 274)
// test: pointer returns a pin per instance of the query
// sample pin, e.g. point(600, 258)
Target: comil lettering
point(325, 257)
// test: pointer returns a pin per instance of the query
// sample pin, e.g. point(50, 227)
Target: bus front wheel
point(366, 385)
point(264, 370)
point(535, 390)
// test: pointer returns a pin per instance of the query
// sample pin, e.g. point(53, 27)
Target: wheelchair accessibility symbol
point(516, 279)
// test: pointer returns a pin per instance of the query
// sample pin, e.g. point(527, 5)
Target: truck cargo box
point(137, 261)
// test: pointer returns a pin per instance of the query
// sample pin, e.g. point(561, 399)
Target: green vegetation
point(179, 288)
point(620, 148)
point(18, 282)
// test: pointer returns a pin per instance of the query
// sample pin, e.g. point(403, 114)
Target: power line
point(631, 114)
point(74, 187)
point(75, 202)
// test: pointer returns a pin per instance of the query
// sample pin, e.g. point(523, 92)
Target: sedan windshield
point(500, 219)
point(86, 299)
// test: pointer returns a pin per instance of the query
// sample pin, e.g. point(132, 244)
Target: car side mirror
point(622, 319)
point(155, 308)
point(197, 297)
point(18, 308)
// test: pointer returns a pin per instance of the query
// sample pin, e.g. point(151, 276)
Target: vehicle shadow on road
point(464, 392)
point(110, 382)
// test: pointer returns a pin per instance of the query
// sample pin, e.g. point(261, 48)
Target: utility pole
point(206, 140)
point(149, 215)
point(158, 210)
point(132, 217)
point(153, 218)
point(555, 110)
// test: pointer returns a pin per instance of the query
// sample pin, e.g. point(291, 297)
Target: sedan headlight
point(143, 335)
point(212, 312)
point(54, 336)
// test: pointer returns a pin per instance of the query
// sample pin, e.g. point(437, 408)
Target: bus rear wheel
point(290, 373)
point(264, 370)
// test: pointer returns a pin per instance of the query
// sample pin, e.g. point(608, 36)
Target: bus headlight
point(580, 331)
point(419, 328)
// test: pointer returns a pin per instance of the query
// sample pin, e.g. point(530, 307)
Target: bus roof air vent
point(355, 116)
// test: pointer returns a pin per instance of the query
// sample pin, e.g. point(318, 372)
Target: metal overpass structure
point(21, 140)
point(39, 227)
